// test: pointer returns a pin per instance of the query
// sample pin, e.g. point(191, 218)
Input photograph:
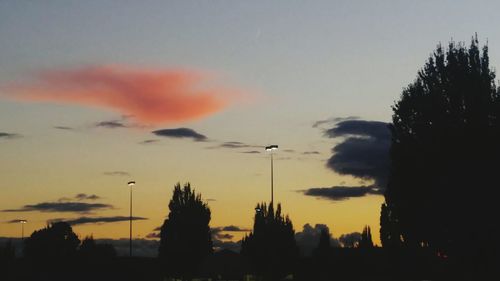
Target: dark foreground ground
point(343, 264)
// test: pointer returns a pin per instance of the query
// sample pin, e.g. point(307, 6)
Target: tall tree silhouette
point(444, 156)
point(390, 236)
point(185, 238)
point(56, 241)
point(366, 241)
point(271, 245)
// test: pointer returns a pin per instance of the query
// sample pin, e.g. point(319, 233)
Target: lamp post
point(130, 184)
point(271, 148)
point(22, 222)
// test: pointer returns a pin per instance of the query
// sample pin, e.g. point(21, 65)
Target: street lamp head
point(271, 147)
point(131, 183)
point(23, 221)
point(258, 210)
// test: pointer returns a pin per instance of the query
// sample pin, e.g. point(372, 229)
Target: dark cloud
point(251, 152)
point(96, 220)
point(308, 239)
point(76, 207)
point(340, 192)
point(226, 245)
point(15, 221)
point(222, 240)
point(83, 196)
point(363, 152)
point(234, 228)
point(4, 135)
point(360, 128)
point(218, 233)
point(180, 133)
point(333, 120)
point(310, 152)
point(234, 144)
point(149, 141)
point(224, 236)
point(153, 235)
point(63, 128)
point(117, 173)
point(350, 240)
point(113, 124)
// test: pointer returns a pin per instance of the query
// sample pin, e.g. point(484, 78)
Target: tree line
point(439, 201)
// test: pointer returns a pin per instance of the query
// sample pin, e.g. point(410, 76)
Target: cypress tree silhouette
point(390, 235)
point(366, 241)
point(56, 241)
point(445, 137)
point(185, 238)
point(271, 246)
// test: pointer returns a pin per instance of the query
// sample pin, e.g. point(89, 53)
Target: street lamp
point(22, 222)
point(272, 148)
point(130, 184)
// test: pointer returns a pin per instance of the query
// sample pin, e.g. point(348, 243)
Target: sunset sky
point(96, 93)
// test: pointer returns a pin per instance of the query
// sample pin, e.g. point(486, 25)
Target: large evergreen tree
point(444, 156)
point(271, 246)
point(185, 234)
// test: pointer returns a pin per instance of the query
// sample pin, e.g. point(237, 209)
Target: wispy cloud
point(15, 221)
point(153, 235)
point(149, 141)
point(96, 220)
point(180, 133)
point(65, 128)
point(116, 173)
point(152, 96)
point(5, 135)
point(311, 152)
point(75, 207)
point(83, 196)
point(234, 228)
point(113, 124)
point(236, 145)
point(333, 120)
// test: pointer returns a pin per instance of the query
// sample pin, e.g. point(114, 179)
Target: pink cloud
point(152, 96)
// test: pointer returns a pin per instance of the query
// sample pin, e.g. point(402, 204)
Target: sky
point(94, 94)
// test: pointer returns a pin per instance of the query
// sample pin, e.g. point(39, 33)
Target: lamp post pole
point(271, 148)
point(23, 222)
point(130, 184)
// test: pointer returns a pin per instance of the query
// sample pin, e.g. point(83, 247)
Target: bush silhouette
point(90, 250)
point(56, 241)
